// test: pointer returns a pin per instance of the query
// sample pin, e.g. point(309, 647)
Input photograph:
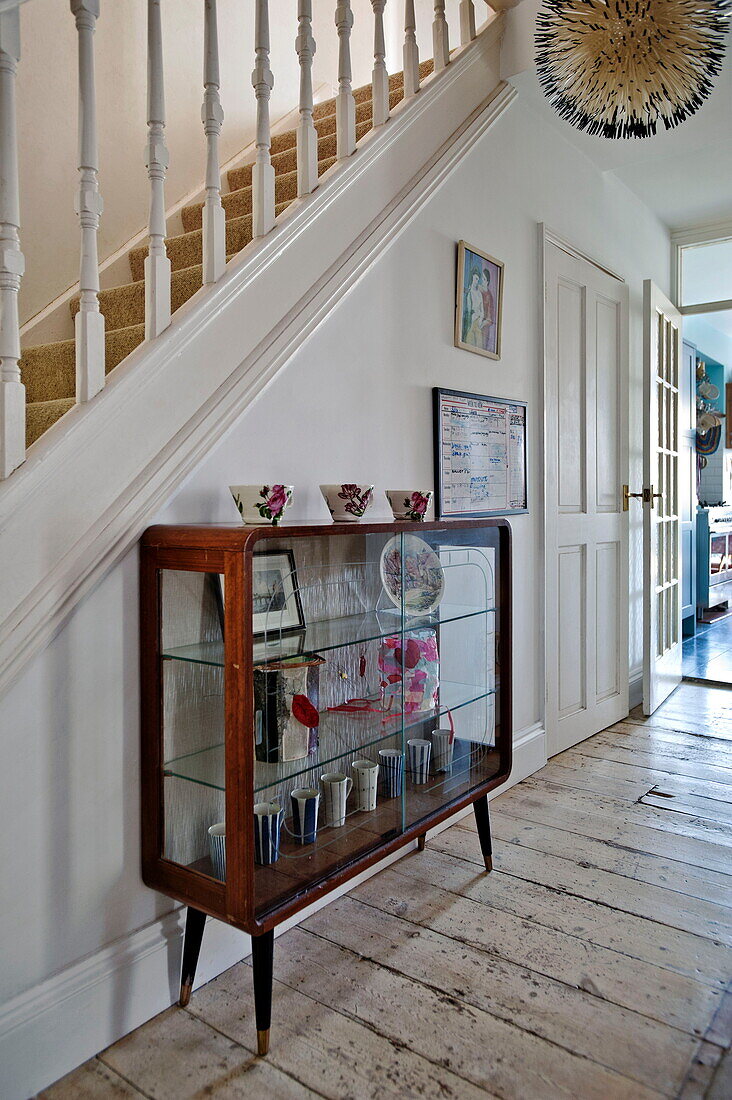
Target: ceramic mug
point(409, 504)
point(365, 774)
point(305, 801)
point(336, 789)
point(217, 848)
point(348, 502)
point(391, 762)
point(267, 823)
point(419, 750)
point(261, 505)
point(442, 748)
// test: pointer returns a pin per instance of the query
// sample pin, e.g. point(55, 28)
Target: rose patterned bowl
point(347, 503)
point(261, 505)
point(410, 504)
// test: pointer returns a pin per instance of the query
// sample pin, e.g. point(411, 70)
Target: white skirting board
point(55, 1026)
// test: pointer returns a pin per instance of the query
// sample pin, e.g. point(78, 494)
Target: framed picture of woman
point(479, 302)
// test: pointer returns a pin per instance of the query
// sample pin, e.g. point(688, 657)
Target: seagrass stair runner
point(48, 370)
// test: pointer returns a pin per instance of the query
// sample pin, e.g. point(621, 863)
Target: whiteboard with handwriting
point(480, 454)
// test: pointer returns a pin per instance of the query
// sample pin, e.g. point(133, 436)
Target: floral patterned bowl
point(410, 504)
point(347, 503)
point(261, 505)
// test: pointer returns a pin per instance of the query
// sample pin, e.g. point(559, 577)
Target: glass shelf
point(318, 637)
point(341, 734)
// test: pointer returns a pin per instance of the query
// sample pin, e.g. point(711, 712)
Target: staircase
point(49, 370)
point(118, 418)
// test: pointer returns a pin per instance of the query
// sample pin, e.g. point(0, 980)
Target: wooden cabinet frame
point(228, 550)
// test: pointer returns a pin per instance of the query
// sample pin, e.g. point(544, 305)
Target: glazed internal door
point(661, 518)
point(586, 441)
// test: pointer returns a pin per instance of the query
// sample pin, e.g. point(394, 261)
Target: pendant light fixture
point(618, 68)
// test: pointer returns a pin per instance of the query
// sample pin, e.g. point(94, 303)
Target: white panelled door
point(661, 519)
point(586, 540)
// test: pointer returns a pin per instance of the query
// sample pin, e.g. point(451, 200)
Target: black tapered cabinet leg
point(262, 952)
point(483, 822)
point(195, 923)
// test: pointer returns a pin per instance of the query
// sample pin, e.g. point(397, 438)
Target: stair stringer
point(84, 494)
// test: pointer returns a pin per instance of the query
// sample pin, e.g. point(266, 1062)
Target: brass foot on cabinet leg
point(263, 1042)
point(421, 841)
point(185, 994)
point(489, 863)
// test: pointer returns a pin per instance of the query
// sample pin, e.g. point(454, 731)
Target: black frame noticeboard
point(461, 416)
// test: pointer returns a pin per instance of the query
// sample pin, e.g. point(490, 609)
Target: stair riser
point(124, 306)
point(239, 203)
point(282, 162)
point(41, 416)
point(187, 251)
point(49, 373)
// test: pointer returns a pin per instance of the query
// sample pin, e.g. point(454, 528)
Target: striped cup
point(419, 750)
point(217, 848)
point(391, 765)
point(305, 801)
point(267, 822)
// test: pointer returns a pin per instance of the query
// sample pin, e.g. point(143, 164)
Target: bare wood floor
point(594, 962)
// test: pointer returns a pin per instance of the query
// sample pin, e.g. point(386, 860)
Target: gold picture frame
point(478, 303)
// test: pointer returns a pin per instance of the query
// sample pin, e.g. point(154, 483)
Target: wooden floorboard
point(594, 962)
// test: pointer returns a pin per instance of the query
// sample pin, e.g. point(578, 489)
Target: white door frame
point(550, 237)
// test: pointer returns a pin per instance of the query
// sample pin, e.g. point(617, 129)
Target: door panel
point(571, 389)
point(607, 424)
point(662, 518)
point(608, 594)
point(572, 590)
point(586, 402)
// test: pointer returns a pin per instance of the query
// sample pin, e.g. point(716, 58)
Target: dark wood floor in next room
point(594, 962)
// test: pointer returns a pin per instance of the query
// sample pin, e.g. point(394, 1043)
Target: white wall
point(47, 111)
point(354, 403)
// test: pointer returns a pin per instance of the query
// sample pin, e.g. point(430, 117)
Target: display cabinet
point(313, 698)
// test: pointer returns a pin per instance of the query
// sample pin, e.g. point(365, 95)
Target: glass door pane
point(453, 751)
point(193, 721)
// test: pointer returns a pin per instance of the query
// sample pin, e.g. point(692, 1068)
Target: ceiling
point(684, 175)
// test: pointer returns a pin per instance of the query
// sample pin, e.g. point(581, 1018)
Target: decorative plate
point(423, 574)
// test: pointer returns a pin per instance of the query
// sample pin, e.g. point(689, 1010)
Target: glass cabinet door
point(374, 692)
point(193, 714)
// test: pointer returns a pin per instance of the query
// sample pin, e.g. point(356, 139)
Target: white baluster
point(345, 103)
point(12, 264)
point(307, 135)
point(440, 37)
point(411, 52)
point(89, 323)
point(467, 22)
point(157, 264)
point(263, 176)
point(212, 116)
point(379, 76)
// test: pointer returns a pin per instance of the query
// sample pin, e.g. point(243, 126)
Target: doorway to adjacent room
point(704, 291)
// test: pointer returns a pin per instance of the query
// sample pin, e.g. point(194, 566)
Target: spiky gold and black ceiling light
point(618, 68)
